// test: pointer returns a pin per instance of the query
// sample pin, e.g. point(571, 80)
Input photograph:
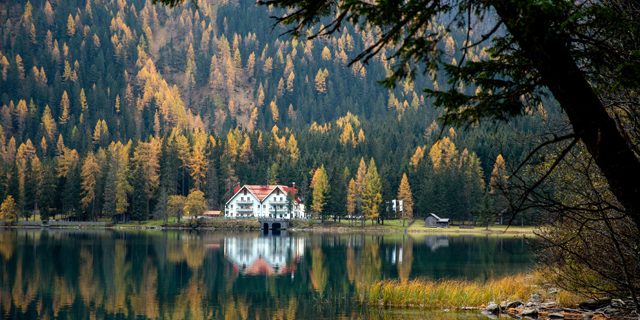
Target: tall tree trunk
point(591, 123)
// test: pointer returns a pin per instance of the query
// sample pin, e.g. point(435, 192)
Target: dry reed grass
point(451, 293)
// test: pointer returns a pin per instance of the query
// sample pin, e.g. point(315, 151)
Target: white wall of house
point(243, 205)
point(246, 205)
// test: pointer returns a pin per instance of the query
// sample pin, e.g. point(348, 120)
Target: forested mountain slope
point(111, 107)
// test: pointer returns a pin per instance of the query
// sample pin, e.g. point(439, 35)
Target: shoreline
point(448, 231)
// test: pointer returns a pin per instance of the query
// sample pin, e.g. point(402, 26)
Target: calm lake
point(98, 274)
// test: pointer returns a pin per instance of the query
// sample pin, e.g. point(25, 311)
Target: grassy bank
point(418, 227)
point(460, 293)
point(241, 224)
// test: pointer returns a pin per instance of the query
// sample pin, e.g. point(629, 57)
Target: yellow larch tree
point(371, 196)
point(251, 63)
point(321, 86)
point(290, 79)
point(253, 120)
point(245, 150)
point(404, 195)
point(361, 136)
point(326, 54)
point(71, 26)
point(64, 108)
point(90, 175)
point(352, 194)
point(417, 156)
point(9, 209)
point(347, 135)
point(320, 190)
point(292, 147)
point(275, 115)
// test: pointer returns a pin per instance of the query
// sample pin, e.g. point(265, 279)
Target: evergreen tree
point(337, 202)
point(138, 196)
point(48, 194)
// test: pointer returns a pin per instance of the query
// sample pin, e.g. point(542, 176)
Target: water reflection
point(264, 255)
point(73, 274)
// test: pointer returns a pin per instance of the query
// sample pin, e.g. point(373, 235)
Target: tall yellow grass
point(458, 293)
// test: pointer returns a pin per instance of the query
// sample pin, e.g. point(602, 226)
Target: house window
point(245, 192)
point(264, 206)
point(278, 192)
point(231, 206)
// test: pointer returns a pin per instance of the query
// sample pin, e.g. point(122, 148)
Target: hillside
point(118, 105)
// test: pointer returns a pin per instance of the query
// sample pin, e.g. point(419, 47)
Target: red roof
point(262, 191)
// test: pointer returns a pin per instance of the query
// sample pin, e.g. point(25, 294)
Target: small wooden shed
point(433, 221)
point(211, 214)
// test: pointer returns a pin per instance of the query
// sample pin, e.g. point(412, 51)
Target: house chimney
point(294, 185)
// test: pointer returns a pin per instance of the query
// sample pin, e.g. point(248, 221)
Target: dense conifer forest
point(120, 106)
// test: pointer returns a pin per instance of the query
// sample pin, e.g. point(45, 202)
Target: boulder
point(593, 304)
point(514, 304)
point(493, 308)
point(548, 304)
point(535, 298)
point(529, 313)
point(553, 290)
point(618, 303)
point(588, 316)
point(555, 315)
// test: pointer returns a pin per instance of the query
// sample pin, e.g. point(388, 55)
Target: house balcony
point(278, 202)
point(244, 211)
point(244, 201)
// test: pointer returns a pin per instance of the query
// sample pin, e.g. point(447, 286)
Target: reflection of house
point(264, 255)
point(435, 242)
point(264, 201)
point(433, 221)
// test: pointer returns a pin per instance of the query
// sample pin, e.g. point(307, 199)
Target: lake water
point(102, 274)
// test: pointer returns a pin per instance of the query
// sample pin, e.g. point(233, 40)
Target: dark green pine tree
point(109, 194)
point(48, 194)
point(139, 198)
point(13, 185)
point(337, 202)
point(71, 198)
point(384, 210)
point(30, 191)
point(212, 188)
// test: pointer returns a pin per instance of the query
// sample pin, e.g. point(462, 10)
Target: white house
point(263, 201)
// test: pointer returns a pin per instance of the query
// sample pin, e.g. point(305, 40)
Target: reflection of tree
point(144, 299)
point(404, 267)
point(189, 304)
point(117, 291)
point(7, 241)
point(88, 285)
point(352, 267)
point(292, 308)
point(63, 295)
point(194, 253)
point(319, 272)
point(371, 264)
